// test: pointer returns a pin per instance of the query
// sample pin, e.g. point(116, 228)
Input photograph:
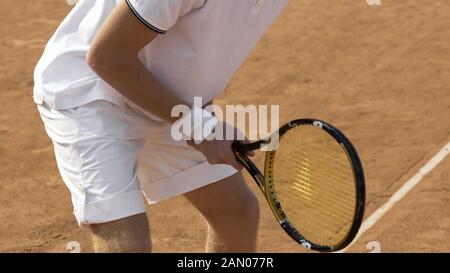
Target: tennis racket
point(313, 182)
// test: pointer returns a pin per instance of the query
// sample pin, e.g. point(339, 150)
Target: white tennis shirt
point(202, 44)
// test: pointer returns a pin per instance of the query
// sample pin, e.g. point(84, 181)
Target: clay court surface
point(381, 74)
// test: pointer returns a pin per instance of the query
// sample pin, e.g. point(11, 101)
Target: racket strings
point(303, 179)
point(320, 217)
point(337, 209)
point(334, 212)
point(333, 216)
point(342, 218)
point(334, 169)
point(326, 159)
point(331, 220)
point(324, 229)
point(306, 170)
point(340, 193)
point(334, 166)
point(314, 182)
point(331, 198)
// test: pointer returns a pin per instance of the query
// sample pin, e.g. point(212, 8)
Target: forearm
point(136, 83)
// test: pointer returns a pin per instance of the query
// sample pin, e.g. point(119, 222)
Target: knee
point(250, 210)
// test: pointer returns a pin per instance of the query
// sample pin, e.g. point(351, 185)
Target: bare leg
point(232, 212)
point(214, 244)
point(130, 234)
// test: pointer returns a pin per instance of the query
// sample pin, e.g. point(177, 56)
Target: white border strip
point(400, 193)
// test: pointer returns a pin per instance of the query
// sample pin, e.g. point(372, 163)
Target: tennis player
point(105, 87)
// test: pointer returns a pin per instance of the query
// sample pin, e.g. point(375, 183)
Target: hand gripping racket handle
point(239, 147)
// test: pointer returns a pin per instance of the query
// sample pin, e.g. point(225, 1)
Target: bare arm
point(114, 57)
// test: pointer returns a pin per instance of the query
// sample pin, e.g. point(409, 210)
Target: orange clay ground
point(381, 74)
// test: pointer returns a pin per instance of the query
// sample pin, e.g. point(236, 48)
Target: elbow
point(106, 62)
point(95, 60)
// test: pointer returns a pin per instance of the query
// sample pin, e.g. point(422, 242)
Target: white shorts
point(108, 155)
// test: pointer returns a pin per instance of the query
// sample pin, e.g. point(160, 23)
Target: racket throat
point(259, 179)
point(253, 170)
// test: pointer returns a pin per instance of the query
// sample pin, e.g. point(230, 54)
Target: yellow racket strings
point(315, 185)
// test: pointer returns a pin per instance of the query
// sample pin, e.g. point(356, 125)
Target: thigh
point(96, 147)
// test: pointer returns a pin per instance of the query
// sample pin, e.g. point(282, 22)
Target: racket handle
point(239, 147)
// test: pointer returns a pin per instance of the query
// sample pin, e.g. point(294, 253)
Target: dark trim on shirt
point(160, 31)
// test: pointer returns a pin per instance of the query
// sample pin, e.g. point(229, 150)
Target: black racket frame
point(265, 182)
